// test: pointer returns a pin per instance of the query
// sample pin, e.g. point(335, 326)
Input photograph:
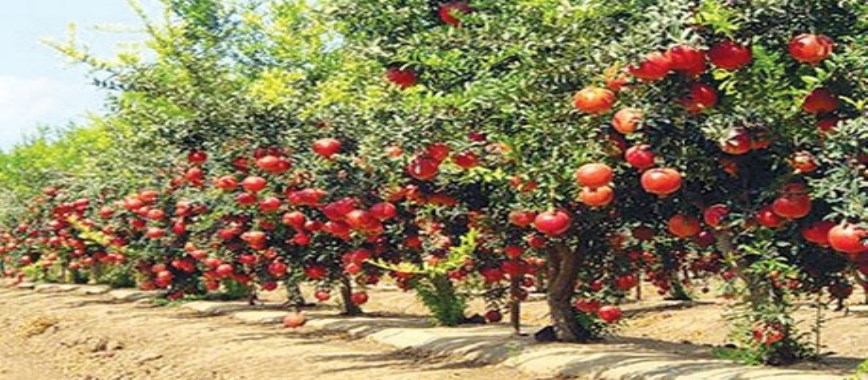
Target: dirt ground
point(64, 336)
point(660, 323)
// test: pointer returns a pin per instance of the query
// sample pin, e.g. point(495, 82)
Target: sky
point(38, 86)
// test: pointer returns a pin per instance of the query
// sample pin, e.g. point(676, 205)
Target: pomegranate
point(594, 175)
point(594, 100)
point(848, 238)
point(403, 78)
point(661, 181)
point(811, 48)
point(640, 156)
point(596, 197)
point(552, 223)
point(792, 206)
point(327, 147)
point(817, 232)
point(294, 320)
point(448, 12)
point(683, 225)
point(714, 214)
point(654, 67)
point(627, 120)
point(729, 55)
point(610, 314)
point(820, 101)
point(699, 97)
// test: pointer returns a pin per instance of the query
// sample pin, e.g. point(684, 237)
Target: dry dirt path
point(65, 336)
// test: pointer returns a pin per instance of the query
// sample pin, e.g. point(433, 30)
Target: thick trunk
point(563, 267)
point(350, 308)
point(677, 291)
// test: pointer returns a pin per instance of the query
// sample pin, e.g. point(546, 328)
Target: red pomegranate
point(768, 218)
point(610, 314)
point(661, 181)
point(450, 10)
point(729, 55)
point(820, 101)
point(294, 320)
point(423, 168)
point(699, 97)
point(627, 120)
point(817, 232)
point(687, 60)
point(640, 156)
point(254, 184)
point(792, 206)
point(848, 238)
point(596, 196)
point(683, 225)
point(327, 147)
point(403, 78)
point(654, 67)
point(594, 100)
point(552, 223)
point(811, 48)
point(713, 214)
point(594, 175)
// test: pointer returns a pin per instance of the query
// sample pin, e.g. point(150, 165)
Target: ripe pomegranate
point(587, 306)
point(552, 223)
point(315, 272)
point(687, 60)
point(811, 48)
point(493, 316)
point(713, 214)
point(403, 78)
point(817, 232)
point(383, 211)
point(254, 184)
point(327, 147)
point(269, 204)
point(294, 320)
point(768, 218)
point(197, 157)
point(683, 225)
point(594, 175)
point(820, 101)
point(661, 181)
point(594, 100)
point(828, 124)
point(654, 67)
point(450, 10)
point(792, 206)
point(729, 55)
point(699, 97)
point(359, 298)
point(627, 282)
point(513, 251)
point(423, 169)
point(627, 120)
point(803, 162)
point(737, 142)
point(521, 218)
point(322, 295)
point(610, 314)
point(596, 197)
point(466, 159)
point(848, 238)
point(640, 156)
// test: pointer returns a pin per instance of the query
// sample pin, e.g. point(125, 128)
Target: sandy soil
point(660, 323)
point(53, 336)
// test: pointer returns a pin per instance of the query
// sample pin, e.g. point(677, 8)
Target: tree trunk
point(515, 305)
point(294, 296)
point(350, 308)
point(677, 292)
point(563, 267)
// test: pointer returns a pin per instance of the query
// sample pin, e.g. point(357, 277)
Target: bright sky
point(37, 85)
